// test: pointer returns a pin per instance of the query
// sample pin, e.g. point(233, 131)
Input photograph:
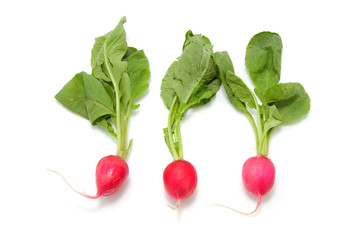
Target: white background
point(316, 193)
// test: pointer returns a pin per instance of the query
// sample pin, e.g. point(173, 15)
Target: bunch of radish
point(192, 80)
point(281, 103)
point(120, 74)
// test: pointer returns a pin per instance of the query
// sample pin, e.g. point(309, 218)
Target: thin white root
point(243, 213)
point(82, 194)
point(176, 206)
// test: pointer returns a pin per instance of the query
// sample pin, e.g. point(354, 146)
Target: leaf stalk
point(118, 116)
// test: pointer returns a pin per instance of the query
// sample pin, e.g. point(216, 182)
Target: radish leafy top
point(191, 80)
point(119, 76)
point(281, 102)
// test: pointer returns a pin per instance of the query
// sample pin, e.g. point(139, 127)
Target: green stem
point(124, 147)
point(171, 117)
point(268, 140)
point(177, 135)
point(117, 103)
point(127, 150)
point(260, 128)
point(263, 145)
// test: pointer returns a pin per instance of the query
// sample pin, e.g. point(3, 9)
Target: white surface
point(316, 194)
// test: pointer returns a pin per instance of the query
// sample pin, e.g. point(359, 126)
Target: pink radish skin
point(258, 176)
point(111, 173)
point(180, 180)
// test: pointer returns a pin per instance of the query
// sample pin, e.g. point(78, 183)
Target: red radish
point(111, 173)
point(180, 180)
point(258, 176)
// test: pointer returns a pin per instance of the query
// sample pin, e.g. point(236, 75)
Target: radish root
point(82, 194)
point(177, 204)
point(244, 213)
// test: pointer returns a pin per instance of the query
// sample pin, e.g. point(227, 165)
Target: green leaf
point(263, 61)
point(208, 86)
point(294, 107)
point(191, 38)
point(240, 90)
point(86, 96)
point(139, 73)
point(115, 46)
point(103, 122)
point(129, 51)
point(203, 93)
point(101, 72)
point(192, 66)
point(272, 117)
point(97, 54)
point(167, 91)
point(282, 91)
point(212, 72)
point(109, 88)
point(117, 70)
point(135, 107)
point(115, 42)
point(125, 93)
point(98, 60)
point(224, 63)
point(194, 77)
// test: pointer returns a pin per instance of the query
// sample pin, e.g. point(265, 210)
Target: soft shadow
point(116, 197)
point(105, 201)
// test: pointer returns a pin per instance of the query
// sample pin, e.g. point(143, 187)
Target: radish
point(191, 80)
point(180, 179)
point(281, 103)
point(258, 175)
point(106, 97)
point(111, 173)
